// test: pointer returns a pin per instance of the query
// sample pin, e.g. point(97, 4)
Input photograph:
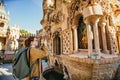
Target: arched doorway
point(82, 34)
point(57, 43)
point(56, 63)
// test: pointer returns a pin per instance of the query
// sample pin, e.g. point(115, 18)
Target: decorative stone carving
point(92, 10)
point(66, 42)
point(6, 32)
point(13, 35)
point(48, 4)
point(58, 17)
point(113, 40)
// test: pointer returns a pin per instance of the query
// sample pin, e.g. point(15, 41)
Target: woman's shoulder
point(35, 49)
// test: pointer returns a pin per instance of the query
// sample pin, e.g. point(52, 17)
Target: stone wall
point(89, 69)
point(105, 69)
point(66, 18)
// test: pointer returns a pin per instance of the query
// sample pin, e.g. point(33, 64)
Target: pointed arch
point(82, 34)
point(56, 43)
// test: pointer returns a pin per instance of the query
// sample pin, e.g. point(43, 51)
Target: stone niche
point(92, 10)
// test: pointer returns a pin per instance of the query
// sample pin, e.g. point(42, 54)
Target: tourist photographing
point(34, 55)
point(33, 59)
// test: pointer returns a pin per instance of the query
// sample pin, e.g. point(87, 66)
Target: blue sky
point(25, 13)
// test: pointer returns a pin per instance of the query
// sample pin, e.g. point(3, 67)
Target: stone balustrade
point(93, 61)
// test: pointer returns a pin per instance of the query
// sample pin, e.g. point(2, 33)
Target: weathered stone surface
point(83, 38)
point(8, 35)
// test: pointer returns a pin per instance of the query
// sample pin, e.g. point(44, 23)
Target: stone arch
point(76, 19)
point(56, 63)
point(56, 43)
point(82, 33)
point(66, 69)
point(66, 73)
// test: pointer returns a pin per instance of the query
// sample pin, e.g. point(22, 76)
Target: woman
point(35, 54)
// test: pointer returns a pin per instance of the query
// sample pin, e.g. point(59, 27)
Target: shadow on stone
point(6, 77)
point(117, 75)
point(52, 75)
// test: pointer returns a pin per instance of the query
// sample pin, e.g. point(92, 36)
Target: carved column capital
point(96, 20)
point(102, 24)
point(102, 21)
point(86, 21)
point(74, 27)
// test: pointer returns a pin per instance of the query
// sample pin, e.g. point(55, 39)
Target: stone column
point(53, 46)
point(105, 50)
point(75, 39)
point(61, 46)
point(90, 38)
point(118, 37)
point(96, 36)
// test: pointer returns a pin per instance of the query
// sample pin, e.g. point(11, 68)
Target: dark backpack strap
point(28, 59)
point(38, 68)
point(29, 63)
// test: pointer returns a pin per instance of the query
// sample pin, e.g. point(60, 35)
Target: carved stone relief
point(57, 17)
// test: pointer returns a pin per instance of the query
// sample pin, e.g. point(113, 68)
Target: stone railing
point(92, 61)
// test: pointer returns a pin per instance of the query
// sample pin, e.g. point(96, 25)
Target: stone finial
point(2, 3)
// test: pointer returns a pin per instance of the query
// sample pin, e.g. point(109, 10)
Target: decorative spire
point(2, 2)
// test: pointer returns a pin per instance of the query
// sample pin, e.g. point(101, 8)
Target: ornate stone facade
point(8, 35)
point(84, 36)
point(12, 38)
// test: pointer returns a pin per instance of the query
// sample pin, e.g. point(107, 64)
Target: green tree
point(22, 31)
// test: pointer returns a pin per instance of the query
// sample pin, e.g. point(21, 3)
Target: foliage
point(22, 31)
